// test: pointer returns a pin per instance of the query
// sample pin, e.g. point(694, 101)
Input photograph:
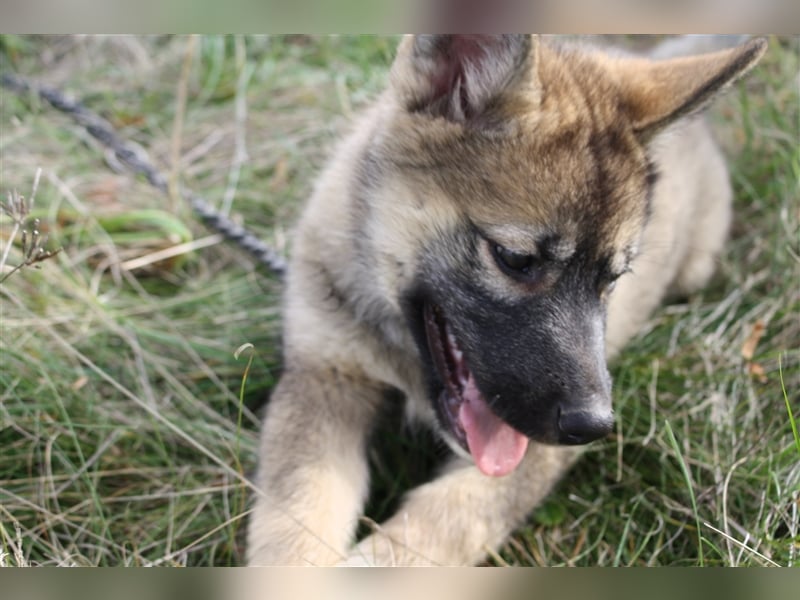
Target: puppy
point(499, 223)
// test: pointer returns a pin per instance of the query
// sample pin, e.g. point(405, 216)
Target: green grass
point(127, 429)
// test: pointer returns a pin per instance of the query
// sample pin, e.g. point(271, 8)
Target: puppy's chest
point(397, 364)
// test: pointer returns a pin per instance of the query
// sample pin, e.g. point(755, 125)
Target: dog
point(497, 225)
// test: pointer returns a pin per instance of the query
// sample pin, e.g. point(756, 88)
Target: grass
point(128, 397)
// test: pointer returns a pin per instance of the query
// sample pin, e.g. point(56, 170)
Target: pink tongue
point(496, 448)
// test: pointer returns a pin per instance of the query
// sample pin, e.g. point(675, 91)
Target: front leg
point(312, 476)
point(459, 516)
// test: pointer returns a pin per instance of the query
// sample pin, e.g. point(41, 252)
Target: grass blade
point(688, 478)
point(792, 420)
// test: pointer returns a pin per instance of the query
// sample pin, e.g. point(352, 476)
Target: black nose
point(583, 426)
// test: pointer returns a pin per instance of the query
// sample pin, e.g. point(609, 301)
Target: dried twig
point(33, 243)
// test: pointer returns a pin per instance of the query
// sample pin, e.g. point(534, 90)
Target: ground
point(128, 421)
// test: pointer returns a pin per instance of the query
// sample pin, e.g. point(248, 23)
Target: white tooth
point(452, 340)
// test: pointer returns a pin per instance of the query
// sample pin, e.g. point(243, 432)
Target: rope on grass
point(137, 161)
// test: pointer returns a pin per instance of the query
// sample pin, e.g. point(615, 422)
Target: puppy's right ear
point(657, 93)
point(460, 77)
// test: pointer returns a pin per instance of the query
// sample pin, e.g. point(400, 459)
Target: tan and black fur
point(500, 222)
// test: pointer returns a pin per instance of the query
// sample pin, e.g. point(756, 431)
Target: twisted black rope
point(135, 159)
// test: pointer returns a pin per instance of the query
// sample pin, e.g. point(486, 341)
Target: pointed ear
point(654, 94)
point(460, 76)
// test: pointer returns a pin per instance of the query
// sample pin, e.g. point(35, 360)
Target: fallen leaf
point(757, 371)
point(749, 346)
point(106, 191)
point(79, 383)
point(280, 175)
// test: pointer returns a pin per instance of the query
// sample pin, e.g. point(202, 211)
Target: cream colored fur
point(346, 341)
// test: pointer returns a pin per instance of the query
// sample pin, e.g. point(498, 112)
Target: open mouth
point(496, 447)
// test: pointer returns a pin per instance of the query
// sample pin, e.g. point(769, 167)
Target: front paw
point(356, 560)
point(379, 549)
point(373, 551)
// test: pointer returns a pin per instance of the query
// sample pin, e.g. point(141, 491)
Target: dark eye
point(512, 262)
point(610, 282)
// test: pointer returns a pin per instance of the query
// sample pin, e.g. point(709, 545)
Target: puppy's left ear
point(461, 77)
point(657, 93)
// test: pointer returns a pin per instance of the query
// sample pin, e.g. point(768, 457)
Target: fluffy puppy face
point(513, 183)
